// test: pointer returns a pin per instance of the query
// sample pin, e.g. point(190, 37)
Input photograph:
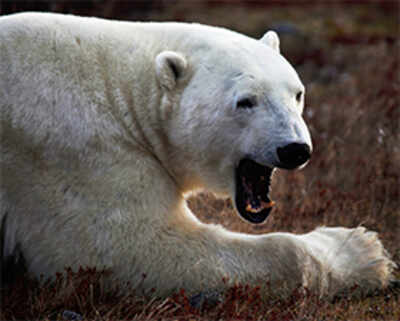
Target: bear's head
point(234, 115)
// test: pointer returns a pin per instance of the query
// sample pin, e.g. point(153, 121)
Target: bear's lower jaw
point(252, 188)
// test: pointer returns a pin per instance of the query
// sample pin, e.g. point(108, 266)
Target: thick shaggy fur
point(106, 125)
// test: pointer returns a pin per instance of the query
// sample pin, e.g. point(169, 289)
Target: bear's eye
point(246, 103)
point(298, 96)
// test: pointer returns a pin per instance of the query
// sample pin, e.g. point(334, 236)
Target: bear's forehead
point(232, 58)
point(254, 68)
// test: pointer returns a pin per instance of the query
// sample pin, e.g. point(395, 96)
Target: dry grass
point(83, 293)
point(349, 61)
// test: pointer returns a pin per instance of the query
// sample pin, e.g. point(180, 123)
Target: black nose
point(293, 155)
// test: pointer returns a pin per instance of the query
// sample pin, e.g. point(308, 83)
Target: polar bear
point(107, 125)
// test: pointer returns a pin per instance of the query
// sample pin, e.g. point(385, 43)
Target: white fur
point(271, 39)
point(107, 124)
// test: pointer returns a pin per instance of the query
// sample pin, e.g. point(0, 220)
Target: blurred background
point(347, 54)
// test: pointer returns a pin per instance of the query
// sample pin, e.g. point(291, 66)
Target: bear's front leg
point(327, 261)
point(210, 259)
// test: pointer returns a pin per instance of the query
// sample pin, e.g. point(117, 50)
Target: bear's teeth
point(263, 206)
point(266, 205)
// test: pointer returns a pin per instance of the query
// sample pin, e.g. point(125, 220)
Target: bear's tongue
point(252, 188)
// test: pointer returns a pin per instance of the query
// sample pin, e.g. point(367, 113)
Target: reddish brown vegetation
point(349, 62)
point(84, 292)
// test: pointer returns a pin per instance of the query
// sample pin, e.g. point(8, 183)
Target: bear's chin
point(252, 182)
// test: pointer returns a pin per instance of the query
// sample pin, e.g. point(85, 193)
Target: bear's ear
point(170, 66)
point(271, 39)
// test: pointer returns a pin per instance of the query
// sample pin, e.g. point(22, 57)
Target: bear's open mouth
point(252, 187)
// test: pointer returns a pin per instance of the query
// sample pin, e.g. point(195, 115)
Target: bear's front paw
point(355, 260)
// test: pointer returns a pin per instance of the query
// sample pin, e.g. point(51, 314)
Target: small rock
point(71, 316)
point(207, 298)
